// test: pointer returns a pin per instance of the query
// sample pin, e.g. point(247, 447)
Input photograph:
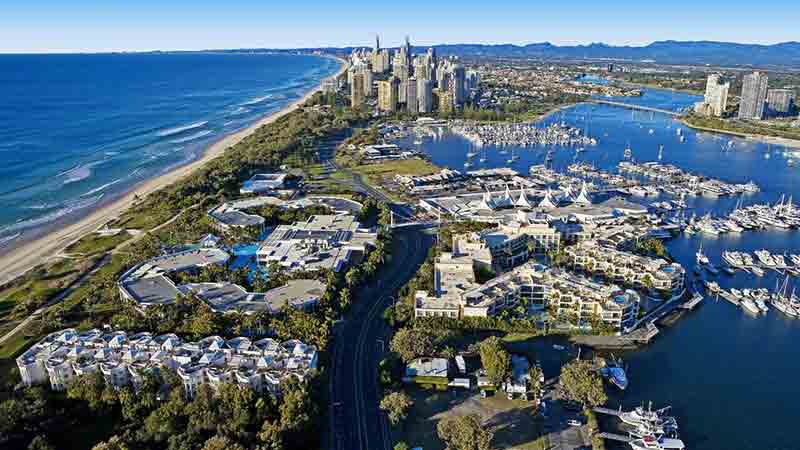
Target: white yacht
point(750, 306)
point(653, 443)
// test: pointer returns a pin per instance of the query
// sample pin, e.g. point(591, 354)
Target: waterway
point(731, 378)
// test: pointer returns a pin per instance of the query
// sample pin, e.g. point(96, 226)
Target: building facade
point(780, 102)
point(388, 95)
point(125, 358)
point(754, 96)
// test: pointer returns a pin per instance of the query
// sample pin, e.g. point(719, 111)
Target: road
point(360, 342)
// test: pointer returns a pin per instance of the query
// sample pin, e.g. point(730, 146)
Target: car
point(574, 423)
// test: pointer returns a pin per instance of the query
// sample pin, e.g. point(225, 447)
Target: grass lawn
point(516, 425)
point(40, 284)
point(94, 243)
point(381, 170)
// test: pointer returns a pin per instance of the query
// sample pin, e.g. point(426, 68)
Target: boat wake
point(191, 137)
point(181, 129)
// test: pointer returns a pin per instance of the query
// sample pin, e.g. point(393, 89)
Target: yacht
point(712, 286)
point(654, 443)
point(758, 271)
point(628, 152)
point(750, 306)
point(765, 258)
point(700, 256)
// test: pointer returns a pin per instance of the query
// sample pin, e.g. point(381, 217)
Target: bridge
point(632, 106)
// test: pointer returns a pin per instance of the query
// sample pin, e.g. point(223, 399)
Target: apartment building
point(124, 359)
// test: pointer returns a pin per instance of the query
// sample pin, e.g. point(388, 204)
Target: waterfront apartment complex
point(125, 358)
point(780, 102)
point(568, 296)
point(652, 274)
point(754, 96)
point(716, 97)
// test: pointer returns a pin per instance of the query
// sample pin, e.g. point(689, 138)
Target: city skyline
point(93, 26)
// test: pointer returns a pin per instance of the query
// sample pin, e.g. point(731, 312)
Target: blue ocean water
point(730, 377)
point(79, 130)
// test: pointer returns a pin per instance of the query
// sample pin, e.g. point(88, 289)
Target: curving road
point(360, 343)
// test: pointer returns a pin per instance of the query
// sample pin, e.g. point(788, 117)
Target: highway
point(360, 342)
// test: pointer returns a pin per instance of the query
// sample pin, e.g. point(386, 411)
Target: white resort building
point(124, 359)
point(321, 242)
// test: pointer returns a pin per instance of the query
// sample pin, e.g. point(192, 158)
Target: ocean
point(730, 377)
point(77, 131)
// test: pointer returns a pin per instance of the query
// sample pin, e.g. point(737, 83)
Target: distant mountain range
point(785, 54)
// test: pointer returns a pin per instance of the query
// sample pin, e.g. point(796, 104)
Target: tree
point(582, 383)
point(40, 443)
point(536, 376)
point(401, 446)
point(115, 443)
point(465, 433)
point(344, 299)
point(221, 443)
point(90, 389)
point(495, 359)
point(411, 343)
point(396, 405)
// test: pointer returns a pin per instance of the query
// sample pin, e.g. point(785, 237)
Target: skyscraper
point(424, 96)
point(716, 97)
point(357, 89)
point(457, 85)
point(780, 102)
point(754, 95)
point(411, 95)
point(388, 94)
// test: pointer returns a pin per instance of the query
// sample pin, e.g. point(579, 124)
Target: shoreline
point(775, 140)
point(16, 260)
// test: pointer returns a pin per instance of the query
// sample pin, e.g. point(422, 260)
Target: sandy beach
point(30, 254)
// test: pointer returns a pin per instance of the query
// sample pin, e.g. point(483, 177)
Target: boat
point(749, 306)
point(700, 256)
point(614, 372)
point(712, 286)
point(758, 271)
point(654, 443)
point(628, 152)
point(559, 347)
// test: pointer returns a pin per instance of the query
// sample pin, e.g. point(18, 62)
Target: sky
point(36, 26)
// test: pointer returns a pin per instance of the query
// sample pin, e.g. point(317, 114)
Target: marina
point(735, 338)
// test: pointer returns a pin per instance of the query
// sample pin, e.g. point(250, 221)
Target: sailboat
point(660, 151)
point(628, 152)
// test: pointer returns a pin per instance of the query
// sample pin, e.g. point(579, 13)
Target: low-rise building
point(653, 274)
point(124, 358)
point(321, 242)
point(226, 217)
point(570, 296)
point(263, 182)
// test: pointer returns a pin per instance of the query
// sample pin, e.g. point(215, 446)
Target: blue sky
point(112, 25)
